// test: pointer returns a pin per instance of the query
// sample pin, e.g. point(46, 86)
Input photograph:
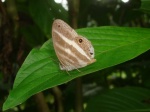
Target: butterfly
point(73, 51)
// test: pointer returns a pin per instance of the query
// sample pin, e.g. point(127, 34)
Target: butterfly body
point(73, 51)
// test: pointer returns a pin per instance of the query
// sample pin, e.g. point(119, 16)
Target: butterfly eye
point(80, 40)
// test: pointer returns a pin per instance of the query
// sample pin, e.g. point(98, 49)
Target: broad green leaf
point(129, 99)
point(40, 70)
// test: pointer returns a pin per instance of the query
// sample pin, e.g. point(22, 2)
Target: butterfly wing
point(66, 43)
point(63, 36)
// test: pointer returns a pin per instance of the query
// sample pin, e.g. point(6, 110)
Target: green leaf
point(129, 99)
point(40, 70)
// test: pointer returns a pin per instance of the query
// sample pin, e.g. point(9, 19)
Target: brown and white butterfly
point(73, 51)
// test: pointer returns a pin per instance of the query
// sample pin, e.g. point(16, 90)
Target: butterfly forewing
point(72, 50)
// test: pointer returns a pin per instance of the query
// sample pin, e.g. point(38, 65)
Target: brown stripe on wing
point(64, 45)
point(64, 28)
point(61, 50)
point(65, 32)
point(67, 64)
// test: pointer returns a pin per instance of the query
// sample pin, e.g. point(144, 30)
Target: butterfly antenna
point(78, 70)
point(64, 66)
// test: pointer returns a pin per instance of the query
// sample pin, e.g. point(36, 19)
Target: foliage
point(113, 45)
